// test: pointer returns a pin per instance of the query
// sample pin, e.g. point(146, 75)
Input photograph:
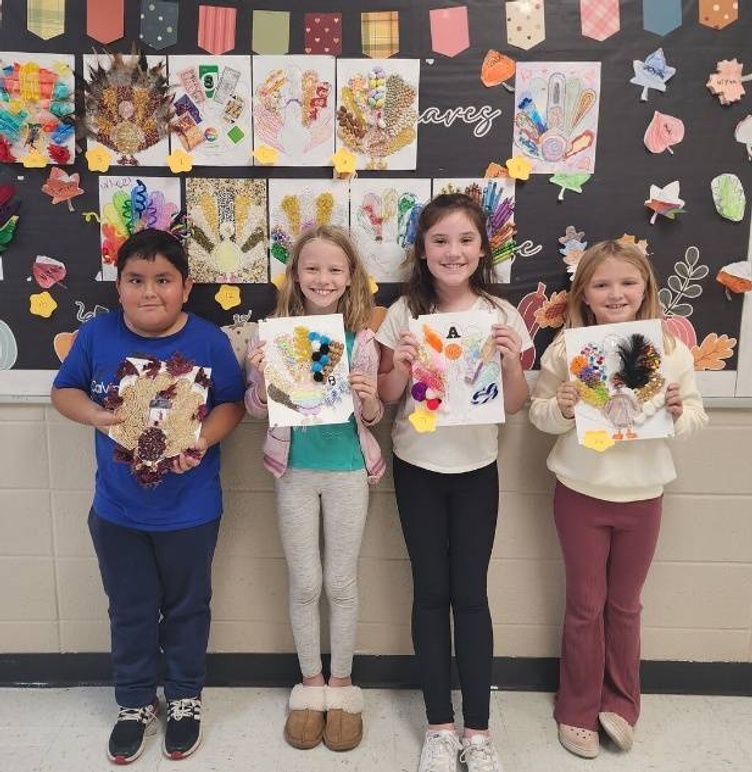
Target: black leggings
point(449, 523)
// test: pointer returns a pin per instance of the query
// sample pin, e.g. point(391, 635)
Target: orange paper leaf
point(709, 355)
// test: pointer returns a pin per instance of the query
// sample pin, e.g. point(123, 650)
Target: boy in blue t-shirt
point(154, 545)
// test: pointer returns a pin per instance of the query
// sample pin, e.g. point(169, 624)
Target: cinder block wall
point(698, 601)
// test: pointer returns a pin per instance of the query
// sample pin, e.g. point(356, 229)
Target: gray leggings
point(340, 499)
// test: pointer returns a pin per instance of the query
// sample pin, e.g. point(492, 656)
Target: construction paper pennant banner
point(599, 19)
point(661, 16)
point(718, 13)
point(159, 23)
point(216, 28)
point(526, 23)
point(449, 32)
point(380, 34)
point(45, 18)
point(322, 33)
point(105, 20)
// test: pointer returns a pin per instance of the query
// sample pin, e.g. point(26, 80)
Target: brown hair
point(420, 290)
point(355, 305)
point(579, 313)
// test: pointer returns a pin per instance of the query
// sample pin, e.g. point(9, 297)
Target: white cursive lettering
point(483, 117)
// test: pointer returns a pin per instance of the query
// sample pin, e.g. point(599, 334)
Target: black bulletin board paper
point(611, 203)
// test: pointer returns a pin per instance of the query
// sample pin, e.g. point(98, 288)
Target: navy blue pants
point(159, 587)
point(449, 524)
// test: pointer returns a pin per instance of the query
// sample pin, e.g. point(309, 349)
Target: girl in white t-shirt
point(446, 482)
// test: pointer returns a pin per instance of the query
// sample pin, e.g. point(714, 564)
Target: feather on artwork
point(128, 107)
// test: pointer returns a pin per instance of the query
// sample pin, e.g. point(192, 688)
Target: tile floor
point(65, 730)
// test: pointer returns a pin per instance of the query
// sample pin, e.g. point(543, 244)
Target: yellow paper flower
point(179, 161)
point(279, 280)
point(423, 421)
point(98, 159)
point(372, 285)
point(344, 162)
point(265, 155)
point(34, 160)
point(519, 168)
point(228, 296)
point(42, 304)
point(599, 440)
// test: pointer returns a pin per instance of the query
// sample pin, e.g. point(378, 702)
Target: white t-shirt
point(449, 449)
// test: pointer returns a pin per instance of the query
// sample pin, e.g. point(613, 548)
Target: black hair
point(146, 244)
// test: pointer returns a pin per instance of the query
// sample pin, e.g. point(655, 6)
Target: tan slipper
point(618, 729)
point(304, 727)
point(581, 742)
point(344, 717)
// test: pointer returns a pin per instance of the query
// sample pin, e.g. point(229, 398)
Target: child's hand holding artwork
point(567, 397)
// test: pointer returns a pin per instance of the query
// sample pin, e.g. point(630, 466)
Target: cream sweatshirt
point(628, 471)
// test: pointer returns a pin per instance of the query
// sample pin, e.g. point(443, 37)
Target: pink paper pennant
point(105, 20)
point(599, 19)
point(449, 31)
point(216, 28)
point(323, 33)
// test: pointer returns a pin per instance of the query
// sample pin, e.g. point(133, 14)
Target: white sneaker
point(439, 752)
point(479, 754)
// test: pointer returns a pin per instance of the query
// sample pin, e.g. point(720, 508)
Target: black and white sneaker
point(128, 735)
point(183, 734)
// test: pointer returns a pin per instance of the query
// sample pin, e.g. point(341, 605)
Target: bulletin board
point(463, 126)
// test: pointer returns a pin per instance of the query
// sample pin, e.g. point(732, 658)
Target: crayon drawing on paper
point(556, 115)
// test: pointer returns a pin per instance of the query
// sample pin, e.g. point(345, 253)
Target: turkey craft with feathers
point(128, 106)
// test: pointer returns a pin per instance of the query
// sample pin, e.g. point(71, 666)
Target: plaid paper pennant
point(380, 33)
point(599, 19)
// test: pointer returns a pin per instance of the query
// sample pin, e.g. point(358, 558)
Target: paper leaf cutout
point(736, 277)
point(42, 304)
point(662, 132)
point(665, 201)
point(728, 196)
point(726, 81)
point(652, 73)
point(743, 134)
point(9, 209)
point(570, 181)
point(496, 69)
point(709, 355)
point(47, 271)
point(228, 296)
point(519, 168)
point(62, 187)
point(598, 440)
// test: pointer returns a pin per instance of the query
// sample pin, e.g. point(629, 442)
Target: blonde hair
point(579, 313)
point(355, 305)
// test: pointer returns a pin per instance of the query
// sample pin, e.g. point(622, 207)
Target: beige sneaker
point(581, 742)
point(618, 729)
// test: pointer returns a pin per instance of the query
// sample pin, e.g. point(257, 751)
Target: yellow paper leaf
point(598, 440)
point(423, 421)
point(42, 304)
point(228, 296)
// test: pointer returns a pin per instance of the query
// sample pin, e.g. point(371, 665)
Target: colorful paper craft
point(496, 197)
point(212, 109)
point(654, 73)
point(556, 115)
point(665, 201)
point(618, 372)
point(227, 230)
point(128, 108)
point(296, 206)
point(728, 197)
point(662, 132)
point(457, 375)
point(62, 187)
point(736, 277)
point(8, 347)
point(726, 81)
point(9, 216)
point(570, 181)
point(383, 223)
point(163, 404)
point(129, 204)
point(36, 108)
point(306, 370)
point(293, 108)
point(377, 113)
